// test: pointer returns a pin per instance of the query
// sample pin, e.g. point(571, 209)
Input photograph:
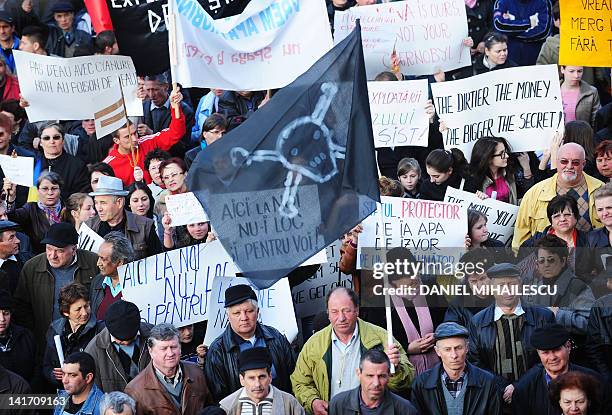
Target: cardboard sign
point(19, 170)
point(89, 240)
point(427, 35)
point(185, 209)
point(521, 104)
point(398, 113)
point(501, 216)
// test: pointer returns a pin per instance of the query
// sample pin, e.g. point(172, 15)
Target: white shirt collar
point(11, 258)
point(355, 334)
point(166, 104)
point(517, 311)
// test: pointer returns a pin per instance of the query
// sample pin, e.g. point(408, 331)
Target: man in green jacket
point(316, 379)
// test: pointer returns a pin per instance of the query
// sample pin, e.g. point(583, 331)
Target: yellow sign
point(586, 33)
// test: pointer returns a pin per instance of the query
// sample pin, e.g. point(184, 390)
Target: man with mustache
point(570, 180)
point(258, 395)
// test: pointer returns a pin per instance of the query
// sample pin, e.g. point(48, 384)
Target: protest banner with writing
point(424, 227)
point(398, 113)
point(586, 33)
point(268, 45)
point(275, 308)
point(175, 286)
point(89, 240)
point(309, 296)
point(520, 104)
point(184, 209)
point(427, 35)
point(62, 88)
point(19, 170)
point(501, 216)
point(110, 113)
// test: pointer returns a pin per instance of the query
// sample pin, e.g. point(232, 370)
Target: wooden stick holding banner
point(171, 25)
point(383, 258)
point(134, 152)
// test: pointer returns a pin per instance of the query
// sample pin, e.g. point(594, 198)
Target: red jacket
point(11, 88)
point(122, 164)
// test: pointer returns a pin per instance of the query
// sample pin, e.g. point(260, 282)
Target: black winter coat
point(73, 172)
point(483, 333)
point(221, 368)
point(58, 327)
point(530, 392)
point(432, 191)
point(482, 395)
point(598, 345)
point(34, 223)
point(21, 352)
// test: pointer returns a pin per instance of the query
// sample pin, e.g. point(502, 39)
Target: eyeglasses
point(172, 176)
point(56, 137)
point(503, 154)
point(574, 163)
point(543, 261)
point(49, 189)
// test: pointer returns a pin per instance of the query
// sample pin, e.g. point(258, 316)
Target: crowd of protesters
point(480, 355)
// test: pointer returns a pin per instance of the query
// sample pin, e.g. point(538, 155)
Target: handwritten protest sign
point(424, 227)
point(175, 286)
point(309, 296)
point(268, 45)
point(428, 35)
point(89, 240)
point(520, 104)
point(61, 88)
point(19, 170)
point(184, 209)
point(586, 33)
point(275, 308)
point(501, 216)
point(398, 113)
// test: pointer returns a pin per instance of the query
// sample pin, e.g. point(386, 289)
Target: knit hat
point(123, 320)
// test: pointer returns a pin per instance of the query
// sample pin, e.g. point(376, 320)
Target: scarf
point(422, 361)
point(52, 213)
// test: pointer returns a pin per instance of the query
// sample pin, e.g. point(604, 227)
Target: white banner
point(309, 296)
point(267, 46)
point(428, 35)
point(110, 113)
point(522, 104)
point(501, 216)
point(275, 308)
point(19, 170)
point(398, 113)
point(65, 88)
point(175, 286)
point(89, 239)
point(424, 227)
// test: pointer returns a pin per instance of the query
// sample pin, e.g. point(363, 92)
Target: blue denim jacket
point(90, 407)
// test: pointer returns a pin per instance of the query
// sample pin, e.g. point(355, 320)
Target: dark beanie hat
point(254, 358)
point(236, 294)
point(123, 320)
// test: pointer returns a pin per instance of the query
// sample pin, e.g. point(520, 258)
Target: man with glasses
point(109, 199)
point(570, 180)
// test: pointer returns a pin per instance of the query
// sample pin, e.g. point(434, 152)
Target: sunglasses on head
point(574, 163)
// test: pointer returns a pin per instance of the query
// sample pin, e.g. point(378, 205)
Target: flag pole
point(383, 259)
point(127, 123)
point(172, 48)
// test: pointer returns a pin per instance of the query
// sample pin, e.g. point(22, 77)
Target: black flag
point(141, 33)
point(298, 174)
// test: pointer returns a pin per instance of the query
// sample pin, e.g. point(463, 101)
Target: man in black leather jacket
point(244, 332)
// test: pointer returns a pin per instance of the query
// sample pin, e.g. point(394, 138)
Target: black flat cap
point(450, 329)
point(6, 301)
point(503, 270)
point(123, 320)
point(61, 235)
point(254, 358)
point(62, 6)
point(7, 225)
point(549, 337)
point(236, 294)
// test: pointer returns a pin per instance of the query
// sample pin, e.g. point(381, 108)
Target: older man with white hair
point(570, 180)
